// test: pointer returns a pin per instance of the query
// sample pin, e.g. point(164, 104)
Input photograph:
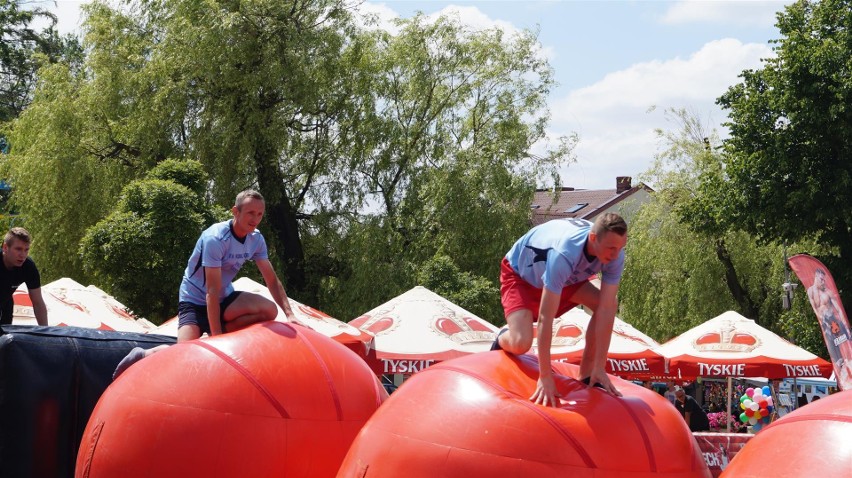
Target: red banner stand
point(719, 449)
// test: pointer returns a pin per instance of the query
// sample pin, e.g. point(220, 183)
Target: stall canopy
point(420, 328)
point(731, 345)
point(631, 353)
point(70, 303)
point(357, 340)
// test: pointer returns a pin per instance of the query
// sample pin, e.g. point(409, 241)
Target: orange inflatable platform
point(271, 400)
point(815, 440)
point(471, 417)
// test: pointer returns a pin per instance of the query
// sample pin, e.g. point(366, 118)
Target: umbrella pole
point(795, 403)
point(728, 411)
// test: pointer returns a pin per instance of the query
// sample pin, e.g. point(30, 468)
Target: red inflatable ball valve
point(811, 441)
point(471, 417)
point(274, 399)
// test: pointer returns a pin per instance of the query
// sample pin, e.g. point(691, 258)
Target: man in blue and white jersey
point(545, 274)
point(207, 300)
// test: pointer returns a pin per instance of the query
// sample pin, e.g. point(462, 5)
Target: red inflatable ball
point(471, 417)
point(811, 441)
point(271, 400)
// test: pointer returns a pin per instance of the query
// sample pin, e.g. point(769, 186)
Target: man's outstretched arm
point(598, 338)
point(39, 307)
point(276, 288)
point(545, 392)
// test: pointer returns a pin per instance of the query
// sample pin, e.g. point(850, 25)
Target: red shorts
point(517, 294)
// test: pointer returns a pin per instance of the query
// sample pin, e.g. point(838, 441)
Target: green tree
point(430, 131)
point(446, 152)
point(23, 49)
point(681, 271)
point(139, 251)
point(248, 89)
point(60, 188)
point(787, 161)
point(479, 295)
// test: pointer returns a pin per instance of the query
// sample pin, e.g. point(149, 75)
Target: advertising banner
point(718, 449)
point(822, 293)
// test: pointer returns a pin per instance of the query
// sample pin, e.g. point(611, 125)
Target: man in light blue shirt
point(207, 299)
point(545, 274)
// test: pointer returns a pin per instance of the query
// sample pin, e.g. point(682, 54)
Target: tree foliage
point(476, 294)
point(446, 152)
point(59, 188)
point(787, 161)
point(682, 269)
point(23, 49)
point(139, 251)
point(374, 151)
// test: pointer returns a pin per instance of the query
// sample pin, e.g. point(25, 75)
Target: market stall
point(730, 346)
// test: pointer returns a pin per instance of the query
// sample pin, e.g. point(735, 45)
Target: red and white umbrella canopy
point(58, 313)
point(419, 328)
point(631, 352)
point(72, 304)
point(731, 345)
point(354, 339)
point(308, 316)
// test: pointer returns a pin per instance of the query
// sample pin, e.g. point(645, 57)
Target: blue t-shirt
point(218, 247)
point(551, 256)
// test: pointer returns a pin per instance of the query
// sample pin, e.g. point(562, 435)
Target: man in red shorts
point(545, 274)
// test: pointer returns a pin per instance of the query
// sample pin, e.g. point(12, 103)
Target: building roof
point(580, 203)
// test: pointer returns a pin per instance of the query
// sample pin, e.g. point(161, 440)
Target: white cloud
point(469, 16)
point(474, 18)
point(381, 13)
point(612, 116)
point(743, 13)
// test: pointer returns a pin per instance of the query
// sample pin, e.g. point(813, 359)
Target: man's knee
point(516, 342)
point(188, 332)
point(268, 311)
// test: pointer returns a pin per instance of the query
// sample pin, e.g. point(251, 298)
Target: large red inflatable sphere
point(271, 400)
point(815, 440)
point(471, 417)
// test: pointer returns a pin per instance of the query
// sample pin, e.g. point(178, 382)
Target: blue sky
point(619, 65)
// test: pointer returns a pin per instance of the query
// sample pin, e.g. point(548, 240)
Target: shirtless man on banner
point(834, 327)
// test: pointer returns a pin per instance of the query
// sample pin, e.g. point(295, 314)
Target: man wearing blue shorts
point(545, 274)
point(208, 302)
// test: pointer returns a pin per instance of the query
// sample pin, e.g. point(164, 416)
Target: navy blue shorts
point(194, 314)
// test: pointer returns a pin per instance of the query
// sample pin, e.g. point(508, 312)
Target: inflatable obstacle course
point(50, 381)
point(274, 399)
point(472, 416)
point(811, 441)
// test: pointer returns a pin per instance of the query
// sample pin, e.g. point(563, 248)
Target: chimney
point(622, 183)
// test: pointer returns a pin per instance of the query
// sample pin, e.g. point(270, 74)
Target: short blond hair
point(610, 222)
